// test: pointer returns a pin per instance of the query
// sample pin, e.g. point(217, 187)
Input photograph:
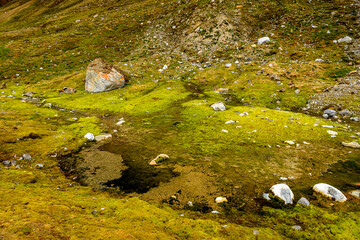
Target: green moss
point(204, 128)
point(136, 100)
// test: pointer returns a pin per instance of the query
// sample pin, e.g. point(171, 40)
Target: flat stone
point(332, 133)
point(289, 142)
point(218, 106)
point(101, 76)
point(283, 192)
point(329, 191)
point(351, 144)
point(303, 201)
point(102, 137)
point(230, 121)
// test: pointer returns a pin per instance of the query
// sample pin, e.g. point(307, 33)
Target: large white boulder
point(283, 192)
point(329, 191)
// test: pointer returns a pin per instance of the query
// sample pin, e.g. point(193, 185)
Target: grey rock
point(39, 165)
point(345, 112)
point(29, 94)
point(102, 76)
point(7, 163)
point(256, 232)
point(325, 116)
point(26, 156)
point(330, 112)
point(275, 77)
point(329, 191)
point(218, 106)
point(303, 201)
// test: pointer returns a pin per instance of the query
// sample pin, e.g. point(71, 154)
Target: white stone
point(283, 192)
point(329, 191)
point(351, 144)
point(120, 122)
point(346, 39)
point(26, 156)
point(355, 193)
point(230, 121)
point(289, 142)
point(102, 137)
point(263, 40)
point(332, 133)
point(89, 136)
point(228, 65)
point(220, 200)
point(218, 106)
point(159, 157)
point(297, 228)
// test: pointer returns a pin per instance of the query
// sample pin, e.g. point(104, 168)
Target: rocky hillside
point(199, 119)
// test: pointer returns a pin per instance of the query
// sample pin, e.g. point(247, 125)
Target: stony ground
point(180, 58)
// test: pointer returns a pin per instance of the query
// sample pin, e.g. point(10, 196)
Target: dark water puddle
point(139, 176)
point(345, 174)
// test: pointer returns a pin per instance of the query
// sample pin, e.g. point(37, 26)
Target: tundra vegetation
point(180, 57)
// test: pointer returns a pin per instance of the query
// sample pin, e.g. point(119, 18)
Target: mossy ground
point(170, 111)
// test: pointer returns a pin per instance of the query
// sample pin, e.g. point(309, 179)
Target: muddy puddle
point(117, 164)
point(138, 176)
point(345, 174)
